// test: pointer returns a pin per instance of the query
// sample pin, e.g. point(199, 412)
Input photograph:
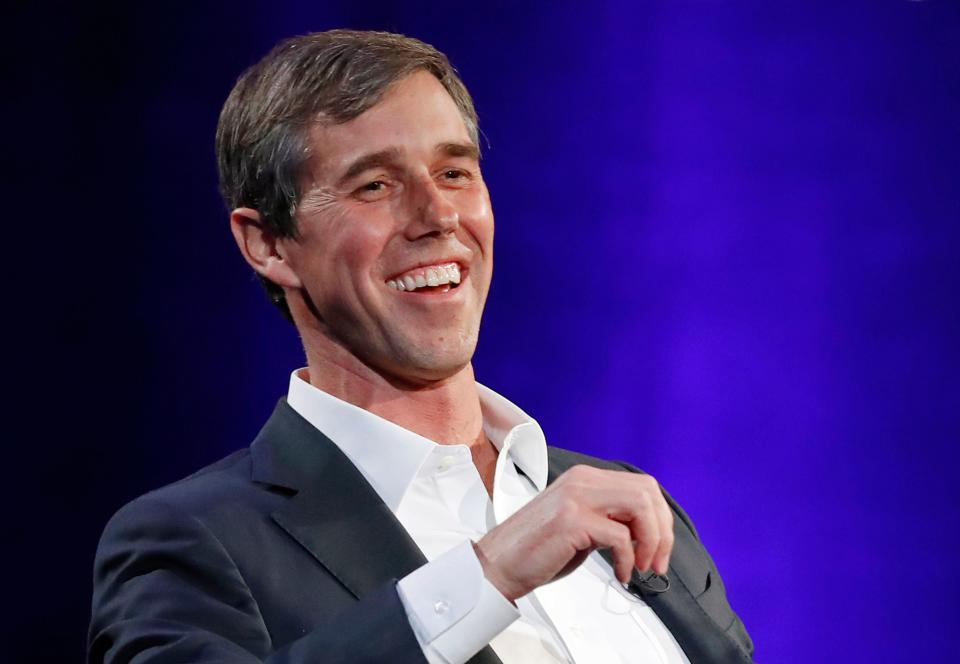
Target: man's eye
point(372, 191)
point(454, 174)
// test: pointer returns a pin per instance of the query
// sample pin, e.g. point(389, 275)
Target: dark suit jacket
point(284, 553)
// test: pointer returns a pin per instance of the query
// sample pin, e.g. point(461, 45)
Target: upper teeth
point(435, 275)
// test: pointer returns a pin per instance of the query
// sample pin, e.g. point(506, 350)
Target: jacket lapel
point(335, 515)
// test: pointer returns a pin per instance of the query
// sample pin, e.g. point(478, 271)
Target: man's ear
point(260, 248)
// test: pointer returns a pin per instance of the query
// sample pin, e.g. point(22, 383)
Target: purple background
point(726, 251)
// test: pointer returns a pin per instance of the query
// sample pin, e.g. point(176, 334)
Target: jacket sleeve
point(166, 590)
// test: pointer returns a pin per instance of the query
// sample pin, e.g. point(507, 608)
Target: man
point(391, 509)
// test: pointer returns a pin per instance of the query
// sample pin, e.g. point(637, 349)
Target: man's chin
point(423, 367)
point(427, 375)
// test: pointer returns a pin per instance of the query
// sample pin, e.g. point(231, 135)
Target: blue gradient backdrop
point(726, 251)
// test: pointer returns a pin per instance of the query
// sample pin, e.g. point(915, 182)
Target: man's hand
point(585, 509)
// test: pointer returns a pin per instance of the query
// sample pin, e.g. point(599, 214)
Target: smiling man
point(392, 509)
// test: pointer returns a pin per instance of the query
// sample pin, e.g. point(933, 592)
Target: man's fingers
point(634, 500)
point(613, 535)
point(661, 559)
point(645, 527)
point(643, 507)
point(583, 510)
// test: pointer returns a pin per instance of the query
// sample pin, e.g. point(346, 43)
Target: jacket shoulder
point(215, 499)
point(563, 460)
point(203, 489)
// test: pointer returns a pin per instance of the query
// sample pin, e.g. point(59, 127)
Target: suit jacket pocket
point(698, 574)
point(713, 599)
point(689, 563)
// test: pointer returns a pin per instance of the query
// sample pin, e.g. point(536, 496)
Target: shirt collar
point(515, 434)
point(389, 456)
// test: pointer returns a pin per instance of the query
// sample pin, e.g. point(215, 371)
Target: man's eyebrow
point(468, 150)
point(368, 161)
point(389, 156)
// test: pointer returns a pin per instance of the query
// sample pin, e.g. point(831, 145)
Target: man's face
point(394, 213)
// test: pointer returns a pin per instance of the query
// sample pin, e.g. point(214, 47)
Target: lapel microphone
point(641, 584)
point(647, 583)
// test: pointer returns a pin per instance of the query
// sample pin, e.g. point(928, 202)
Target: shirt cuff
point(453, 608)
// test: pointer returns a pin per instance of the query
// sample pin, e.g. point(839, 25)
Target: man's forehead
point(416, 115)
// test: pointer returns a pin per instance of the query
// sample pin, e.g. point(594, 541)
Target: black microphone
point(647, 583)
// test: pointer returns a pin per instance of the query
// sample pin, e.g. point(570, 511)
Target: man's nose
point(432, 211)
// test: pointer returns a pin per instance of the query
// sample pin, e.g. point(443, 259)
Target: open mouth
point(440, 278)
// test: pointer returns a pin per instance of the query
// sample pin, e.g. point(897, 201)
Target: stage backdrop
point(727, 238)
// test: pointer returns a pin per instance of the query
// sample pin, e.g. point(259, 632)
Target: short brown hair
point(336, 75)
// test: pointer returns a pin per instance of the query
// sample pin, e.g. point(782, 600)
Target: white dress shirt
point(437, 494)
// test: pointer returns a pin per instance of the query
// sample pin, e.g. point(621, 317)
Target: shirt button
point(445, 463)
point(576, 631)
point(441, 608)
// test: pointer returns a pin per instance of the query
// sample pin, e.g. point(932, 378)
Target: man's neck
point(446, 411)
